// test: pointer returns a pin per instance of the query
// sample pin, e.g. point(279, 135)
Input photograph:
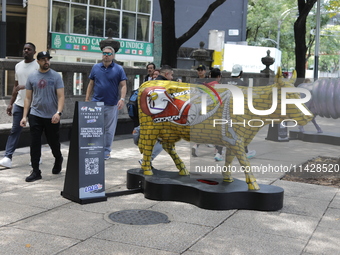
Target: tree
point(171, 44)
point(304, 7)
point(264, 20)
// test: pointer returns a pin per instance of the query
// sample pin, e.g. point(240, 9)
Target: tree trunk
point(169, 41)
point(171, 44)
point(300, 38)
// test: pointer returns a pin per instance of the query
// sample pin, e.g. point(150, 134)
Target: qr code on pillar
point(91, 166)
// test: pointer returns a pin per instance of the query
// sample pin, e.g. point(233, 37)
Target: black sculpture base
point(170, 186)
point(313, 137)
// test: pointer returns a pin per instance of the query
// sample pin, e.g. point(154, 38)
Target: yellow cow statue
point(170, 111)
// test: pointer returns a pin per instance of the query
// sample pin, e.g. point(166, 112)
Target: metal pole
point(317, 42)
point(278, 34)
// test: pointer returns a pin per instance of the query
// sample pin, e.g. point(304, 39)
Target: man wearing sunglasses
point(108, 85)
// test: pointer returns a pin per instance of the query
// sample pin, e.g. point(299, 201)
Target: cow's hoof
point(148, 172)
point(228, 179)
point(253, 186)
point(184, 172)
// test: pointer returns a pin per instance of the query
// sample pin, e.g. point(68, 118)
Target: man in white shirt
point(16, 106)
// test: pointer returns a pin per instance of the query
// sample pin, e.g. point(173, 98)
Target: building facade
point(72, 29)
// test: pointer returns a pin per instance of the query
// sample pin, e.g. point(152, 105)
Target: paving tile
point(104, 247)
point(245, 241)
point(331, 219)
point(44, 194)
point(188, 213)
point(304, 206)
point(336, 201)
point(324, 241)
point(11, 212)
point(275, 223)
point(173, 236)
point(66, 222)
point(19, 241)
point(305, 190)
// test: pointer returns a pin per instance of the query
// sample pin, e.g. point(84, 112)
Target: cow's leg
point(244, 162)
point(301, 129)
point(316, 126)
point(227, 174)
point(170, 149)
point(147, 152)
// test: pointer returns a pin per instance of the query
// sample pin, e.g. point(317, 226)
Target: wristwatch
point(59, 113)
point(122, 99)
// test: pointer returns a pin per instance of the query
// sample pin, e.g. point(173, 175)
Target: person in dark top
point(150, 68)
point(166, 73)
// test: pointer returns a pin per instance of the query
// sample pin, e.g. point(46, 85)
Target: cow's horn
point(279, 77)
point(293, 78)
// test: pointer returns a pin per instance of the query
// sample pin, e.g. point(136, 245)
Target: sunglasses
point(107, 53)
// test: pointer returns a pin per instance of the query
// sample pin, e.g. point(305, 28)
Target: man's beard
point(45, 67)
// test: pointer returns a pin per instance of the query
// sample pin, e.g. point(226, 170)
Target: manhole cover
point(139, 217)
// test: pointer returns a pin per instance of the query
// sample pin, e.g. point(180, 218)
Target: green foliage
point(333, 6)
point(265, 18)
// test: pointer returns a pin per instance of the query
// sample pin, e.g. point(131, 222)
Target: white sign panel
point(249, 57)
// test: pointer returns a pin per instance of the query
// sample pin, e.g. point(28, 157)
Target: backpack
point(132, 105)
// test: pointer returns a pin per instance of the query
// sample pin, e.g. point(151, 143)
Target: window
point(129, 5)
point(96, 20)
point(97, 2)
point(113, 22)
point(79, 1)
point(113, 4)
point(129, 19)
point(142, 27)
point(129, 25)
point(78, 19)
point(144, 6)
point(60, 17)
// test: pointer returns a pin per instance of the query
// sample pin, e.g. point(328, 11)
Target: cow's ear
point(279, 77)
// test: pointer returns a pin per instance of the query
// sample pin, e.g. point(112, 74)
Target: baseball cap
point(201, 67)
point(237, 69)
point(43, 54)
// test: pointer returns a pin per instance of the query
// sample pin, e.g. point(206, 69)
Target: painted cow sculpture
point(170, 111)
point(325, 100)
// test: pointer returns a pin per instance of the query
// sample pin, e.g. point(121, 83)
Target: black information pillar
point(277, 133)
point(85, 180)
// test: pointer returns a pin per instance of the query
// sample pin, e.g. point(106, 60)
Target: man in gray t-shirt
point(45, 96)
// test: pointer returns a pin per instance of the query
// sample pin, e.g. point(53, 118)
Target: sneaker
point(6, 162)
point(193, 151)
point(108, 156)
point(251, 154)
point(34, 176)
point(40, 162)
point(218, 157)
point(58, 163)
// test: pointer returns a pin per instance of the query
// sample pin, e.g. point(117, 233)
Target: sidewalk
point(36, 219)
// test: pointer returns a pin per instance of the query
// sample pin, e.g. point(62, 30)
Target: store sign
point(91, 44)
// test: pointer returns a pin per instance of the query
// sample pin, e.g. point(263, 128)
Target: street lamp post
point(317, 42)
point(281, 19)
point(268, 39)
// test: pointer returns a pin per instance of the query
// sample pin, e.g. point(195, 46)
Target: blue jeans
point(157, 148)
point(110, 124)
point(13, 138)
